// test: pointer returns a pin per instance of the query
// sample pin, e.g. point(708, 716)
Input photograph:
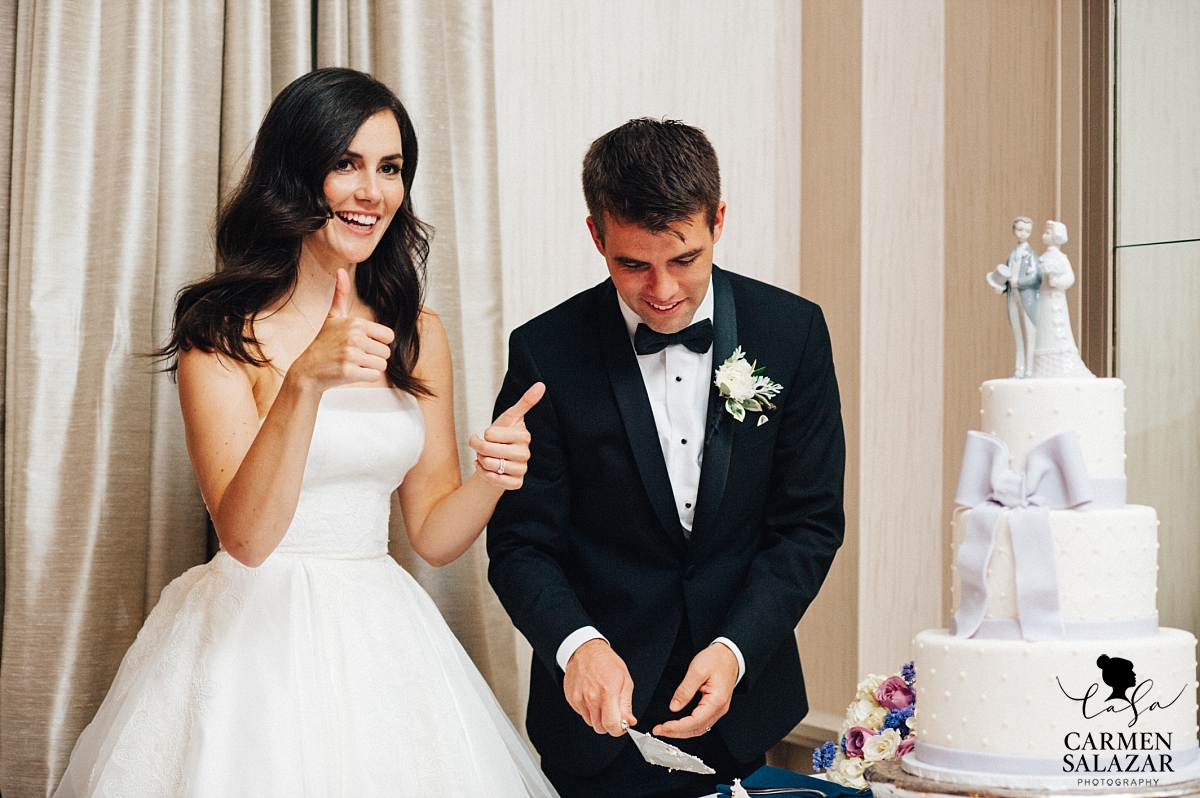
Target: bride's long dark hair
point(281, 199)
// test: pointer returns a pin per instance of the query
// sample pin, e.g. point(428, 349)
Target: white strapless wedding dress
point(325, 672)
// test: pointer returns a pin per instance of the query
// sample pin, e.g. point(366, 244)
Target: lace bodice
point(364, 442)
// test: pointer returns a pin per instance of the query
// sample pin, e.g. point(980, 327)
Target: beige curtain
point(8, 53)
point(128, 119)
point(113, 178)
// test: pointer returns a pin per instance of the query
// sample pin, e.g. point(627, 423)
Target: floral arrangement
point(743, 387)
point(878, 726)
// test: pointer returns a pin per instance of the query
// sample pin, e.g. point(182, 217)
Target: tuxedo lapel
point(630, 390)
point(718, 436)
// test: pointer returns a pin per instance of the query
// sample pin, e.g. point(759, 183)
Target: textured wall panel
point(568, 72)
point(900, 402)
point(1158, 355)
point(1158, 121)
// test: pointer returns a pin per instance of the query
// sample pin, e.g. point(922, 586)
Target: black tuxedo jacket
point(593, 536)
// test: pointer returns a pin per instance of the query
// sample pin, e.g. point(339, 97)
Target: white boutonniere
point(743, 387)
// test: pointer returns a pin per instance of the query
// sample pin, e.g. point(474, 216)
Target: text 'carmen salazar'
point(1106, 752)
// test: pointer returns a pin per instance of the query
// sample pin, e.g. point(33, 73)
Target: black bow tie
point(697, 338)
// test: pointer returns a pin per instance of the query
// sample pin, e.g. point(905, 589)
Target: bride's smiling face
point(364, 190)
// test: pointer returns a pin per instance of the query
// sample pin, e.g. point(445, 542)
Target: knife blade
point(657, 752)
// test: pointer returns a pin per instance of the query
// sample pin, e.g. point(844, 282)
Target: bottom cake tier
point(1060, 714)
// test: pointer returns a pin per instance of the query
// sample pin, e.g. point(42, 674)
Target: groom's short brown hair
point(651, 173)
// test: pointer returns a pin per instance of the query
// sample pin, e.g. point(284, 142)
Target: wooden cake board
point(888, 780)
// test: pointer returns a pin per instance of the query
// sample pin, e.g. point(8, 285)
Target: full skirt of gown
point(327, 671)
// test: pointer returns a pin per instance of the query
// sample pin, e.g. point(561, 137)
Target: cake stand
point(888, 780)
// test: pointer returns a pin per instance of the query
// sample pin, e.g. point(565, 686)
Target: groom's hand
point(598, 686)
point(713, 673)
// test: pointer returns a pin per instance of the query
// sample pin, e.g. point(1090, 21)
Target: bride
point(302, 660)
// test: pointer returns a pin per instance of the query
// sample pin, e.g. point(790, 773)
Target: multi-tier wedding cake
point(1054, 673)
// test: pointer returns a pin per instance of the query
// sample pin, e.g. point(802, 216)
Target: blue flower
point(909, 672)
point(823, 756)
point(898, 719)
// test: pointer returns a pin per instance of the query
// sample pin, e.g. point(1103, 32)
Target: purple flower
point(855, 739)
point(823, 756)
point(909, 672)
point(894, 693)
point(905, 746)
point(898, 719)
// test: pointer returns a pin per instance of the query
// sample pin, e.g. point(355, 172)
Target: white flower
point(860, 710)
point(743, 387)
point(738, 790)
point(848, 772)
point(876, 718)
point(735, 378)
point(868, 686)
point(882, 746)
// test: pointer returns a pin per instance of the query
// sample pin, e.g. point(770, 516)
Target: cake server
point(657, 752)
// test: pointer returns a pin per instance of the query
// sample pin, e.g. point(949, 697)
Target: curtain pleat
point(8, 56)
point(246, 90)
point(188, 169)
point(291, 42)
point(268, 44)
point(114, 176)
point(122, 122)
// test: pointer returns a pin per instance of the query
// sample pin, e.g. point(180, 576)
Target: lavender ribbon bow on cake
point(1055, 478)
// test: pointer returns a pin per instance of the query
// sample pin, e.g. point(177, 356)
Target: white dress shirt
point(677, 385)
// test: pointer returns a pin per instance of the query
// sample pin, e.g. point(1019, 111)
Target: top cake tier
point(1023, 413)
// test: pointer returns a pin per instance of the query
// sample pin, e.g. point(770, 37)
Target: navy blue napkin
point(767, 777)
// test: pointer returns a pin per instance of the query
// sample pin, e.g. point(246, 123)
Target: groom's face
point(662, 275)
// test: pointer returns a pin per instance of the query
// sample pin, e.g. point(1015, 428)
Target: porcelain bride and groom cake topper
point(1037, 303)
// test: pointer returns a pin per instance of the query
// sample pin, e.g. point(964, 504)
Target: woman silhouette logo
point(1118, 674)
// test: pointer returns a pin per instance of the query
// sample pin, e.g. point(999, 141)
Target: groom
point(662, 551)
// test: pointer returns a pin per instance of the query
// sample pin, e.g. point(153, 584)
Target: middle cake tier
point(1107, 567)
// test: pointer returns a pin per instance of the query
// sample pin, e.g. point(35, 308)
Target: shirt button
point(684, 441)
point(679, 379)
point(688, 505)
point(689, 572)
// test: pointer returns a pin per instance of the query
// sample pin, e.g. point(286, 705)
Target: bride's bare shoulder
point(207, 377)
point(197, 370)
point(433, 363)
point(435, 345)
point(429, 322)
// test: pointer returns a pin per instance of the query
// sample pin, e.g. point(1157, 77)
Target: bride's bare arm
point(251, 477)
point(444, 515)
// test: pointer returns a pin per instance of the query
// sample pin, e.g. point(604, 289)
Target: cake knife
point(657, 752)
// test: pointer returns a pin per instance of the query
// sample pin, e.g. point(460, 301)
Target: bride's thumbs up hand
point(347, 349)
point(502, 454)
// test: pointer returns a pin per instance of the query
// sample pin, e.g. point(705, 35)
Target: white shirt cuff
point(576, 639)
point(737, 652)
